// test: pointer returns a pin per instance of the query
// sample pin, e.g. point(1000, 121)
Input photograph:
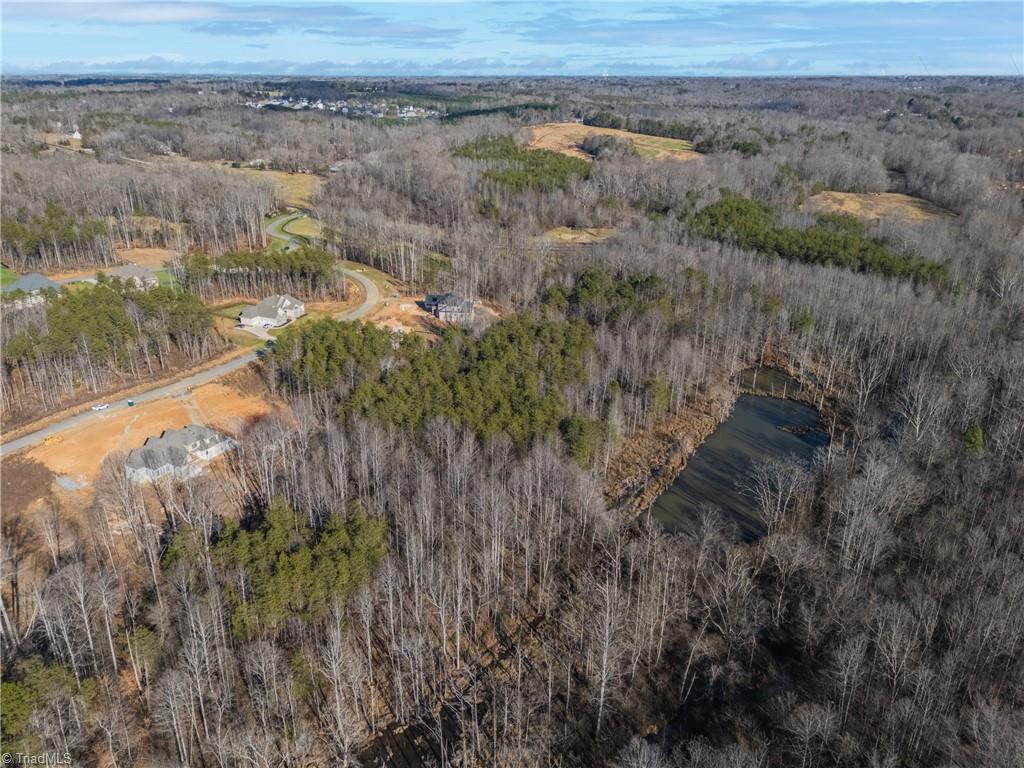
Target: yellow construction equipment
point(52, 439)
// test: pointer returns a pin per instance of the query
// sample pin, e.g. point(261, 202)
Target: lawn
point(237, 337)
point(7, 276)
point(295, 189)
point(230, 311)
point(304, 227)
point(166, 279)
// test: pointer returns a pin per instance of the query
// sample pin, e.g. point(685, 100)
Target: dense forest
point(438, 556)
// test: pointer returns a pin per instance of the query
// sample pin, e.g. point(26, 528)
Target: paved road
point(273, 229)
point(168, 390)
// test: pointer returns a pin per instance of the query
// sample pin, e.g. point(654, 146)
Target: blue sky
point(312, 37)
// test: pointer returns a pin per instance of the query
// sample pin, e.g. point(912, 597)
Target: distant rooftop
point(29, 283)
point(129, 271)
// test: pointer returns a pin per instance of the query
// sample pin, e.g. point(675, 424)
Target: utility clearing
point(873, 206)
point(567, 138)
point(581, 235)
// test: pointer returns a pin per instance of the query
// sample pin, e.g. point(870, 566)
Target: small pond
point(759, 427)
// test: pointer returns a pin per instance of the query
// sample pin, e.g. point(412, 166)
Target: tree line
point(306, 271)
point(89, 338)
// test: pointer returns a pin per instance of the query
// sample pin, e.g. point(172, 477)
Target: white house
point(273, 311)
point(176, 453)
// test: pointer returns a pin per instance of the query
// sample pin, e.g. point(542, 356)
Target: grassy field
point(317, 310)
point(567, 137)
point(238, 337)
point(229, 311)
point(304, 227)
point(872, 206)
point(295, 189)
point(166, 279)
point(7, 276)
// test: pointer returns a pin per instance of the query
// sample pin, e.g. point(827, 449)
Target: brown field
point(581, 235)
point(876, 205)
point(73, 273)
point(56, 139)
point(22, 482)
point(155, 258)
point(294, 189)
point(567, 137)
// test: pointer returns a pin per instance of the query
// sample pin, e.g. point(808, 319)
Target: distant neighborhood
point(347, 107)
point(31, 289)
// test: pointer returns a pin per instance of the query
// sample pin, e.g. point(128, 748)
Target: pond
point(759, 427)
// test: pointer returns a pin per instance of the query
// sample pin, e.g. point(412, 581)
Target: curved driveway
point(274, 229)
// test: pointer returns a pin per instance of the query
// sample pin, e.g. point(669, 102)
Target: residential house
point(273, 311)
point(28, 290)
point(449, 307)
point(176, 453)
point(144, 278)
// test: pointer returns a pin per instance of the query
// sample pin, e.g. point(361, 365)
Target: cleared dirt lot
point(155, 258)
point(876, 205)
point(567, 137)
point(405, 314)
point(81, 450)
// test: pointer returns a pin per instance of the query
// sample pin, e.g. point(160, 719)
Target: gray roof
point(451, 302)
point(129, 271)
point(270, 306)
point(169, 448)
point(31, 282)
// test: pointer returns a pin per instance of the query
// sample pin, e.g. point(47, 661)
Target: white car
point(101, 407)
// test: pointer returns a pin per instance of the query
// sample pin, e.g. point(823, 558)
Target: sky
point(430, 38)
